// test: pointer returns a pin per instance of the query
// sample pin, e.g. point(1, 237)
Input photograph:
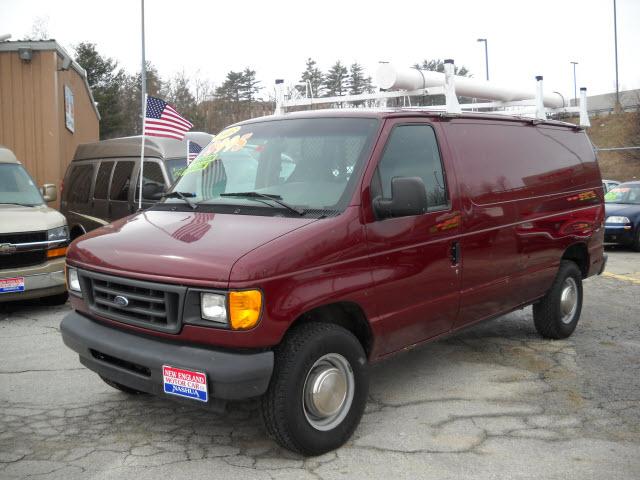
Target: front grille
point(23, 237)
point(23, 259)
point(150, 305)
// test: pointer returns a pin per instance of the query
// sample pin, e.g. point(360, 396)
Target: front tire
point(556, 315)
point(318, 390)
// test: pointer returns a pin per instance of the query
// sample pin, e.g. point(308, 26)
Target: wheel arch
point(346, 314)
point(578, 253)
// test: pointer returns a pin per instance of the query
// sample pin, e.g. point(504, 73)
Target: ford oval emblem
point(121, 301)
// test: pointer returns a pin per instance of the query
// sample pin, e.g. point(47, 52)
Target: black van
point(101, 183)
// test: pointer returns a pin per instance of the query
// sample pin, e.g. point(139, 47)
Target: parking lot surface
point(495, 401)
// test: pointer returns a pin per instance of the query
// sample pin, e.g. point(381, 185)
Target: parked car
point(102, 182)
point(622, 206)
point(358, 235)
point(609, 184)
point(33, 237)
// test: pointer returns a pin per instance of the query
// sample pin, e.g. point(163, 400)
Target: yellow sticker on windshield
point(227, 132)
point(211, 152)
point(610, 196)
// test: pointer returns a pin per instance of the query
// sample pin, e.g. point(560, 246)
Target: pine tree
point(357, 82)
point(248, 85)
point(335, 81)
point(183, 100)
point(313, 77)
point(231, 89)
point(106, 81)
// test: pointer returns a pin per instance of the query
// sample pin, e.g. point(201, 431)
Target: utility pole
point(615, 42)
point(486, 55)
point(575, 90)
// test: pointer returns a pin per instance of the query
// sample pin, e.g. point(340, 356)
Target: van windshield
point(17, 187)
point(306, 163)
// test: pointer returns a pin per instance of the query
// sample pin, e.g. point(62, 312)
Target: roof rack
point(413, 82)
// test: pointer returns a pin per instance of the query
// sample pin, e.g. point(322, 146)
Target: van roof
point(158, 147)
point(7, 156)
point(405, 112)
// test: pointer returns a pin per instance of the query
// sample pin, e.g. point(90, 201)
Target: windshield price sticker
point(185, 383)
point(10, 285)
point(225, 141)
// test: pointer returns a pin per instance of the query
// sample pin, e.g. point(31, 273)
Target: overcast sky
point(209, 38)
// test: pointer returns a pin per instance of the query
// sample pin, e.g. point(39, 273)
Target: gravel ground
point(495, 401)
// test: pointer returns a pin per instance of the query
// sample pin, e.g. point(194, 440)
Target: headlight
point(73, 282)
point(60, 234)
point(617, 220)
point(244, 308)
point(213, 307)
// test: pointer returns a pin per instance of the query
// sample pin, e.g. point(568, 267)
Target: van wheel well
point(348, 315)
point(76, 231)
point(579, 254)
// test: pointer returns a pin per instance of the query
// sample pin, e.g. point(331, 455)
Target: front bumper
point(136, 361)
point(39, 281)
point(618, 234)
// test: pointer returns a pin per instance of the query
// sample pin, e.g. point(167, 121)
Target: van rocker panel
point(113, 353)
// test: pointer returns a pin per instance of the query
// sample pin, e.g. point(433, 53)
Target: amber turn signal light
point(57, 252)
point(244, 309)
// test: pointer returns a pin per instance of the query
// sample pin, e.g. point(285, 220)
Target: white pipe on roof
point(392, 78)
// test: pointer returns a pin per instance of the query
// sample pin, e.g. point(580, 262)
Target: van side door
point(414, 259)
point(121, 189)
point(101, 192)
point(76, 198)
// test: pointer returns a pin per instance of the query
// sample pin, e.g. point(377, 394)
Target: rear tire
point(556, 315)
point(54, 300)
point(122, 388)
point(318, 389)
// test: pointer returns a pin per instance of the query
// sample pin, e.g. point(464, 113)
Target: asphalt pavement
point(493, 402)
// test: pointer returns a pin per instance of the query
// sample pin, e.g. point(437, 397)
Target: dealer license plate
point(185, 383)
point(10, 285)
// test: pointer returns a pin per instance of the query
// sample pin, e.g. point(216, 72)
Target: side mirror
point(408, 197)
point(152, 191)
point(49, 192)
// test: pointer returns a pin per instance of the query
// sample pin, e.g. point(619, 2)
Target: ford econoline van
point(33, 237)
point(102, 182)
point(353, 236)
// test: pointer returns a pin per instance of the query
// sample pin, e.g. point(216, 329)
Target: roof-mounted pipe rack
point(413, 82)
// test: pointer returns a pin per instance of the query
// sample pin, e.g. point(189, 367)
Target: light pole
point(615, 42)
point(486, 55)
point(575, 91)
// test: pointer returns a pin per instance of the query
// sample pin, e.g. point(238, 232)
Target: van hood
point(621, 209)
point(16, 218)
point(198, 248)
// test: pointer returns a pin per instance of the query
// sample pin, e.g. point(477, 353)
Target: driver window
point(152, 182)
point(412, 151)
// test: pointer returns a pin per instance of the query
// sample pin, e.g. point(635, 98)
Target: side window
point(121, 181)
point(412, 151)
point(101, 189)
point(80, 184)
point(153, 181)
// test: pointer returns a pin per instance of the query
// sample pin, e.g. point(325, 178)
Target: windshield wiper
point(182, 196)
point(274, 198)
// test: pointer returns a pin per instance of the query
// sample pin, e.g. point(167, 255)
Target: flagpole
point(143, 88)
point(187, 151)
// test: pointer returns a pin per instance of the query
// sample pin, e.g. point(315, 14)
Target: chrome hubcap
point(328, 391)
point(568, 300)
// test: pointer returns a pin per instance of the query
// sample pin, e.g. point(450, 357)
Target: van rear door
point(414, 259)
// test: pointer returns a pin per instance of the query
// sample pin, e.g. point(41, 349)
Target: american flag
point(196, 228)
point(163, 121)
point(194, 150)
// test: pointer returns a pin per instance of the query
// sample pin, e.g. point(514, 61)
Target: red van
point(296, 250)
